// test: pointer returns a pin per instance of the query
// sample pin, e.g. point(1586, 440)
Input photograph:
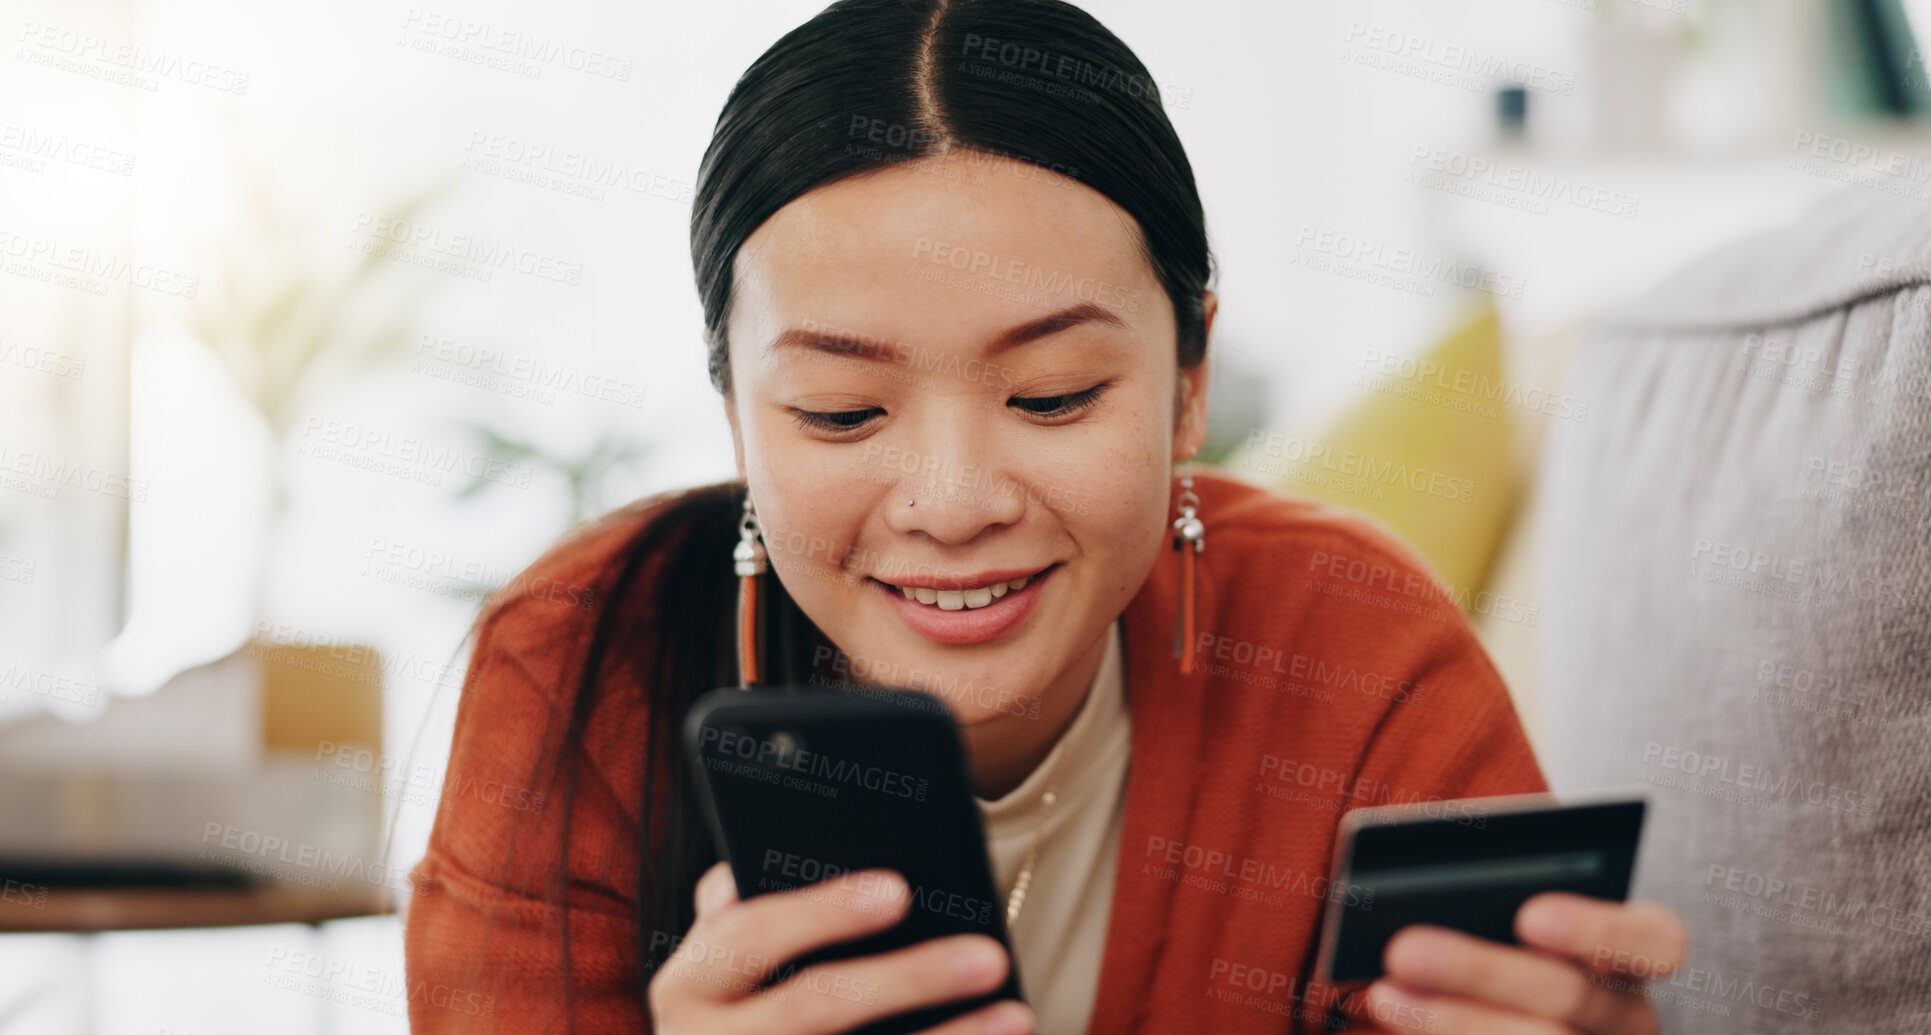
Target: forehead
point(961, 247)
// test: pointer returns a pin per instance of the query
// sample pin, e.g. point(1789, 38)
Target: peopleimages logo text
point(816, 764)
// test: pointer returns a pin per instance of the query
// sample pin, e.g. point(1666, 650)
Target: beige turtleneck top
point(1061, 931)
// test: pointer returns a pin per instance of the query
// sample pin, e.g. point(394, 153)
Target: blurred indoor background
point(318, 321)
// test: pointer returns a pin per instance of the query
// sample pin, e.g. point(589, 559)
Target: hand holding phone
point(805, 787)
point(711, 980)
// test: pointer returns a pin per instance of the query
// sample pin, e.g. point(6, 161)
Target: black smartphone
point(801, 784)
point(1468, 864)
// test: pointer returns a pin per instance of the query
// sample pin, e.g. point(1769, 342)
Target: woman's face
point(947, 374)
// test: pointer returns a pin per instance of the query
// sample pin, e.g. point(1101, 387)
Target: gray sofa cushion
point(1736, 602)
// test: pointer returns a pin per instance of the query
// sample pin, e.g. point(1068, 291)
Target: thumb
point(716, 889)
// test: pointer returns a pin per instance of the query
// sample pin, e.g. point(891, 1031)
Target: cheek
point(808, 526)
point(1121, 504)
point(1142, 535)
point(1135, 486)
point(1120, 520)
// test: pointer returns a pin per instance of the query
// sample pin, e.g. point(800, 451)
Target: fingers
point(1005, 1017)
point(1643, 940)
point(818, 1002)
point(1445, 981)
point(713, 979)
point(1437, 961)
point(783, 925)
point(1393, 1008)
point(734, 945)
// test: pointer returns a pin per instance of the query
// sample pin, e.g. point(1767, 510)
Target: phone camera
point(784, 745)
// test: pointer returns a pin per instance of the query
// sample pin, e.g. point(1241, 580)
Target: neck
point(1007, 748)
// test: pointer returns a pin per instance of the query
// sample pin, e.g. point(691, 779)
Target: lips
point(965, 616)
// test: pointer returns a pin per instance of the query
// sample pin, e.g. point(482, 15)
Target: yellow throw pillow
point(1426, 451)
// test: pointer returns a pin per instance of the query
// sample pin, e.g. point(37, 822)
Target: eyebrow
point(868, 347)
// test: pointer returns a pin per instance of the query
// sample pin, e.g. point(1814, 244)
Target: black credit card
point(1468, 867)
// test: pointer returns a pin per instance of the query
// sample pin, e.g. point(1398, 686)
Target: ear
point(1190, 428)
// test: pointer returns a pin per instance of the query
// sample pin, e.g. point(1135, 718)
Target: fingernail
point(1546, 922)
point(1392, 1007)
point(1416, 954)
point(716, 895)
point(1008, 1018)
point(978, 959)
point(881, 887)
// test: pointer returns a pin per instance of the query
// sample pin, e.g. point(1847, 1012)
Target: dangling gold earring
point(1189, 537)
point(749, 559)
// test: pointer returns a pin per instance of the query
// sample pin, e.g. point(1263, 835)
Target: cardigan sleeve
point(1457, 736)
point(484, 941)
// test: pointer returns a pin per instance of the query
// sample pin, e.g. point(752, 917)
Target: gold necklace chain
point(1017, 900)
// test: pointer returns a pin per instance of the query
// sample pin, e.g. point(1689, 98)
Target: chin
point(981, 690)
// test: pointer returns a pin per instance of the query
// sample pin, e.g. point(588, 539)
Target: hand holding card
point(1583, 969)
point(1506, 916)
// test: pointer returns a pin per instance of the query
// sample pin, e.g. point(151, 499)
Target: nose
point(956, 486)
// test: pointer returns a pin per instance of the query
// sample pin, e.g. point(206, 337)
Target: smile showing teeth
point(962, 599)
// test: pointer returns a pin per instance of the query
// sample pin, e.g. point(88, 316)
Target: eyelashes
point(1049, 407)
point(1062, 405)
point(837, 420)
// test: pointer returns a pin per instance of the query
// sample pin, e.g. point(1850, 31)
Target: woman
point(955, 282)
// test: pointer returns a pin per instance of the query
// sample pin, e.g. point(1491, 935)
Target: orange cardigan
point(1331, 674)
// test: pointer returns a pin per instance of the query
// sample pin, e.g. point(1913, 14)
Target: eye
point(1059, 405)
point(835, 420)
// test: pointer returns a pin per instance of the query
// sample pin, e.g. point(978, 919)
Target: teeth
point(962, 599)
